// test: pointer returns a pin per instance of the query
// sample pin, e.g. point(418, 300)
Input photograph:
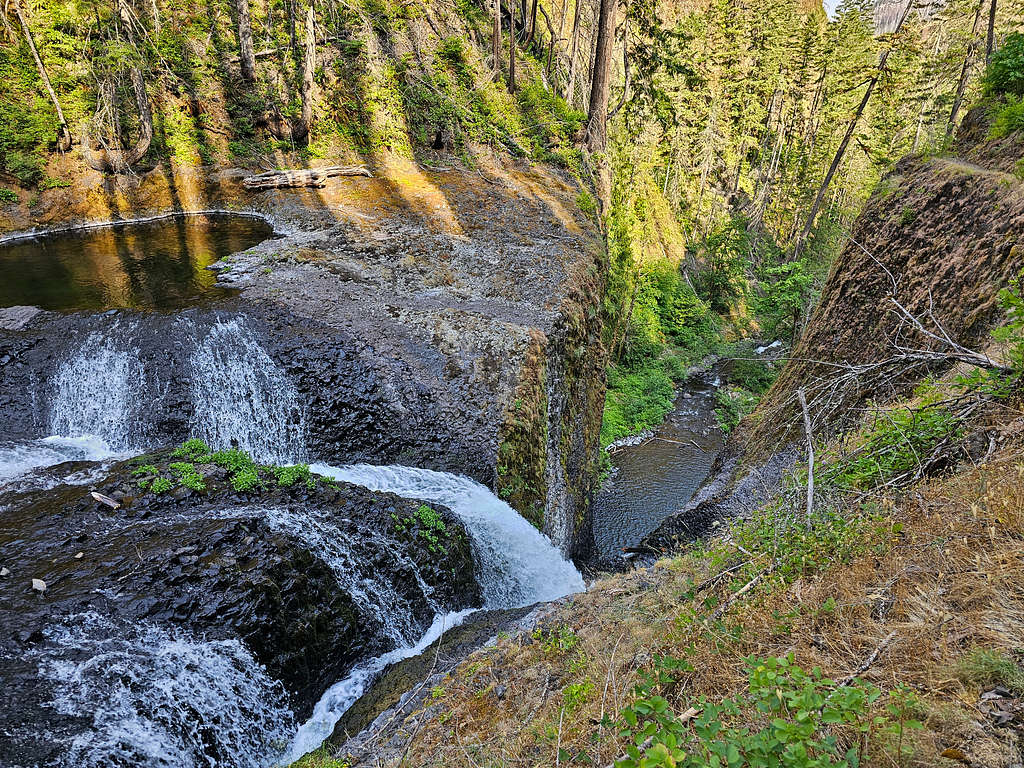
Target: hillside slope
point(880, 628)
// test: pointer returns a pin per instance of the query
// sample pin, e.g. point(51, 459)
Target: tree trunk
point(574, 53)
point(533, 25)
point(512, 48)
point(625, 70)
point(496, 36)
point(121, 160)
point(965, 70)
point(597, 122)
point(990, 42)
point(63, 132)
point(246, 52)
point(308, 68)
point(838, 159)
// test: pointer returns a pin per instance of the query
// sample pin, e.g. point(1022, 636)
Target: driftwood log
point(309, 177)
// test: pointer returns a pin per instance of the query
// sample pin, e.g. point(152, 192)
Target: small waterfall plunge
point(241, 396)
point(92, 409)
point(160, 697)
point(96, 392)
point(516, 566)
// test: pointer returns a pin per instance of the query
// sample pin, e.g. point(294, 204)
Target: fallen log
point(310, 177)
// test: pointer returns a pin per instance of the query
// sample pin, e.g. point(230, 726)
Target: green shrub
point(731, 405)
point(1005, 71)
point(782, 292)
point(160, 485)
point(246, 479)
point(898, 442)
point(188, 475)
point(145, 469)
point(8, 195)
point(787, 717)
point(233, 460)
point(193, 450)
point(1007, 118)
point(289, 476)
point(723, 254)
point(637, 400)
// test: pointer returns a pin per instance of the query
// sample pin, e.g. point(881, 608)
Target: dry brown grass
point(943, 574)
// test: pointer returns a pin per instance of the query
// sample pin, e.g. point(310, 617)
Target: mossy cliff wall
point(548, 450)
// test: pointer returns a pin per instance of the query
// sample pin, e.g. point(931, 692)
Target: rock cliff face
point(418, 313)
point(940, 236)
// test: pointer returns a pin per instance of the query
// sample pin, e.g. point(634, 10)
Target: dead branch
point(869, 660)
point(310, 177)
point(810, 453)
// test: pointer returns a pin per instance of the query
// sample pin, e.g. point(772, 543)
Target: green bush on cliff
point(787, 716)
point(1004, 74)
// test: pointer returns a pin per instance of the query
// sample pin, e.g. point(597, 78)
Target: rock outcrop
point(418, 313)
point(309, 577)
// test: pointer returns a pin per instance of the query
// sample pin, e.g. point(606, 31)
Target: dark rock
point(220, 569)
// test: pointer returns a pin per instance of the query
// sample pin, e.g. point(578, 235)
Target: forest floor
point(918, 595)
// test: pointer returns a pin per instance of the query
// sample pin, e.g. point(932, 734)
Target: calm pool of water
point(157, 264)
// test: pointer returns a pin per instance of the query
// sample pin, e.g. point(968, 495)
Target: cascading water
point(92, 409)
point(517, 566)
point(241, 396)
point(96, 393)
point(160, 697)
point(347, 556)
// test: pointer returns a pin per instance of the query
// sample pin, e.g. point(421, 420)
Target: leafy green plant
point(1007, 117)
point(246, 479)
point(1005, 71)
point(575, 695)
point(898, 442)
point(782, 292)
point(193, 450)
point(188, 475)
point(787, 717)
point(731, 405)
point(8, 195)
point(161, 485)
point(145, 469)
point(233, 460)
point(289, 476)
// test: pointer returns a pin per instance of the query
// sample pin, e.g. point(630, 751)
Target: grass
point(917, 586)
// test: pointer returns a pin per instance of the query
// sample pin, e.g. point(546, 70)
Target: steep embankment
point(883, 625)
point(940, 237)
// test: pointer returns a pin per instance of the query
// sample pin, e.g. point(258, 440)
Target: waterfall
point(241, 396)
point(376, 597)
point(160, 697)
point(96, 393)
point(516, 566)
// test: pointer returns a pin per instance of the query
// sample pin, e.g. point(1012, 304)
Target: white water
point(94, 398)
point(161, 698)
point(96, 393)
point(343, 694)
point(516, 566)
point(242, 397)
point(375, 595)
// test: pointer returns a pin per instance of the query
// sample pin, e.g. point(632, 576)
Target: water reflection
point(157, 264)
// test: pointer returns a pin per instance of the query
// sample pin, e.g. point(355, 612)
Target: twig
point(869, 660)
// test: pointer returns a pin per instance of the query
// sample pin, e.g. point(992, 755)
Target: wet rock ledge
point(224, 550)
point(449, 320)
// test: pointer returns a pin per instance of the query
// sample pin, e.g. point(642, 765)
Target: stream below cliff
point(656, 474)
